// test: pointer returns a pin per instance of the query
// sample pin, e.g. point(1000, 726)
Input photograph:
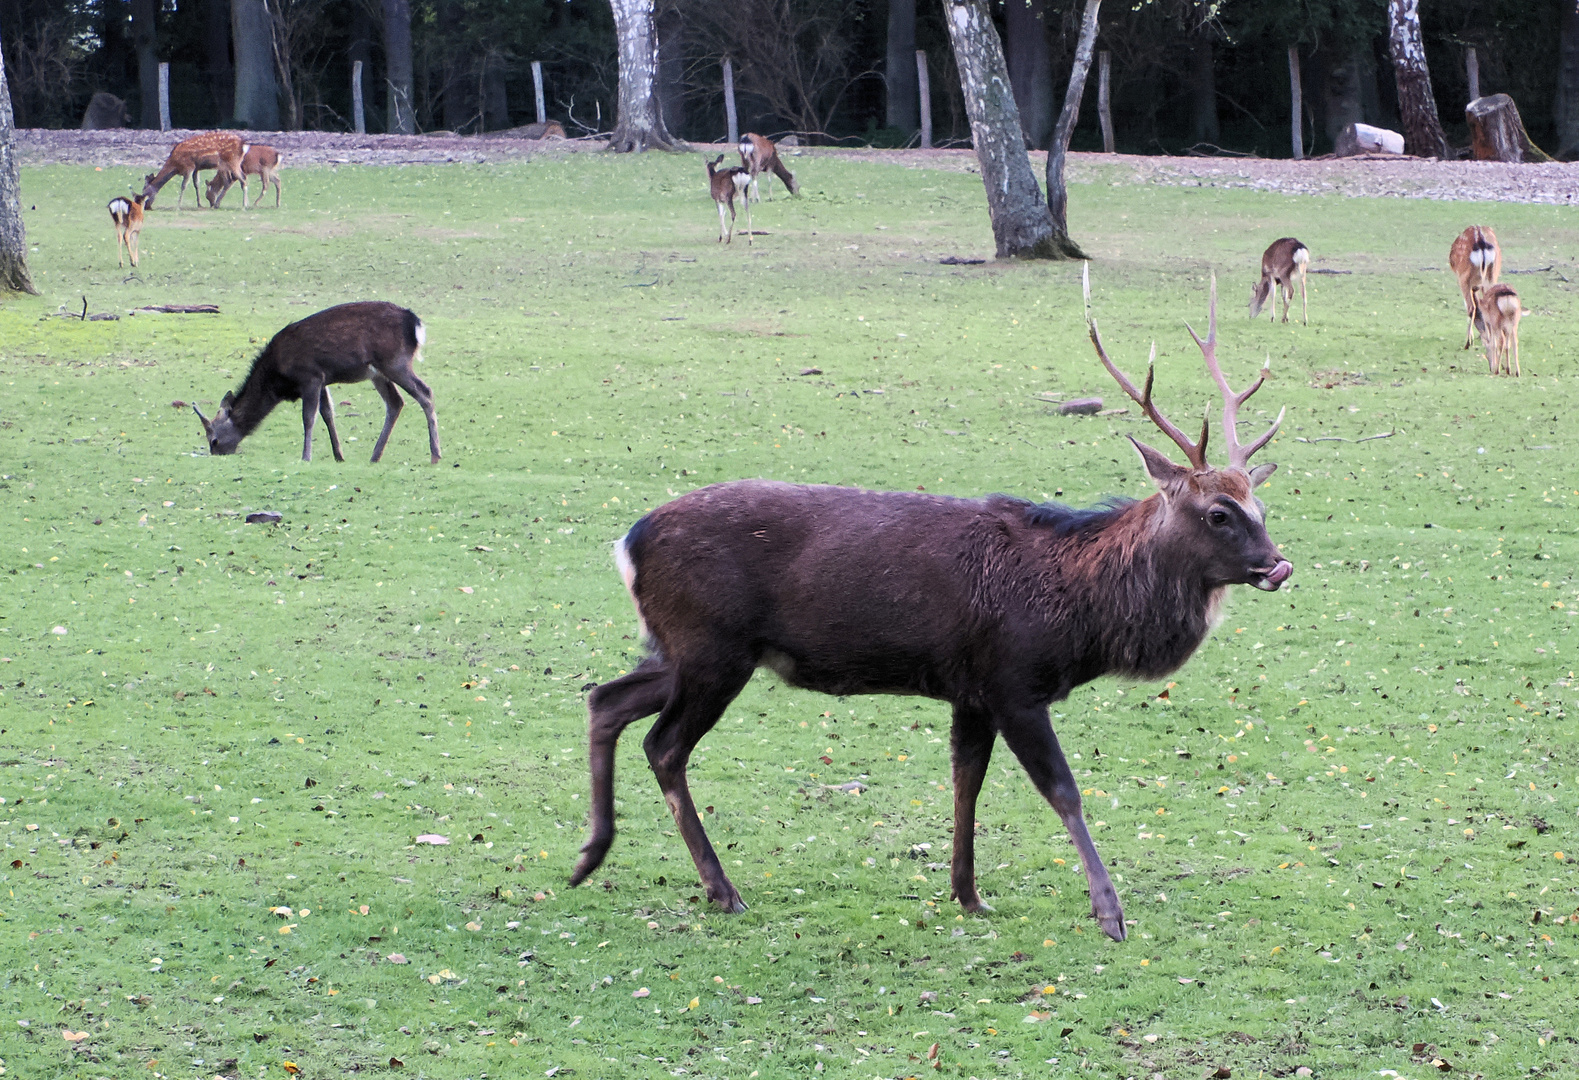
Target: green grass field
point(1340, 829)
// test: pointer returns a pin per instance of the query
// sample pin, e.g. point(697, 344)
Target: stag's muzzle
point(1271, 580)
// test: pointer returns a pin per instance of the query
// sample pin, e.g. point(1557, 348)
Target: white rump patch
point(422, 334)
point(120, 206)
point(1301, 256)
point(627, 570)
point(244, 148)
point(747, 148)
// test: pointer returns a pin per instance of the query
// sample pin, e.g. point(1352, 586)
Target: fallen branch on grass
point(1336, 438)
point(182, 309)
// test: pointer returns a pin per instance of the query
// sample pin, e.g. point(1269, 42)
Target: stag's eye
point(1217, 517)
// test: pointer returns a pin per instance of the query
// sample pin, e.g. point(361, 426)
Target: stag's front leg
point(972, 738)
point(1030, 735)
point(310, 401)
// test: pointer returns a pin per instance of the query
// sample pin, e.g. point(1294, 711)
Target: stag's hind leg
point(408, 381)
point(326, 410)
point(692, 709)
point(612, 708)
point(972, 738)
point(392, 406)
point(1030, 735)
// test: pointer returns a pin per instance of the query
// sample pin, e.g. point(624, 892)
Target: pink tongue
point(1280, 573)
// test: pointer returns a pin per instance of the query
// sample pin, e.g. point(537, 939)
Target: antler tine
point(1195, 453)
point(1238, 455)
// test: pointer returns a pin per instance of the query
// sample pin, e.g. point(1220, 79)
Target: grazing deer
point(1477, 261)
point(127, 213)
point(1281, 263)
point(996, 605)
point(370, 339)
point(725, 184)
point(221, 150)
point(759, 155)
point(260, 161)
point(1497, 315)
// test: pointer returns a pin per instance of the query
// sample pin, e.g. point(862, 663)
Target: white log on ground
point(1358, 138)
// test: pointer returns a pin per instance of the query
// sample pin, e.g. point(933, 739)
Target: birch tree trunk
point(1021, 224)
point(1423, 133)
point(1565, 110)
point(1057, 192)
point(640, 122)
point(257, 95)
point(13, 237)
point(899, 70)
point(397, 67)
point(145, 41)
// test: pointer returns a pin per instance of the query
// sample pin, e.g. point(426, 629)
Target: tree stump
point(1496, 132)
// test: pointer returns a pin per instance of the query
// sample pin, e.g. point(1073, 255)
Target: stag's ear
point(228, 400)
point(1261, 474)
point(1168, 476)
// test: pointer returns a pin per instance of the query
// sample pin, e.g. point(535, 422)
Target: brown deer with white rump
point(369, 339)
point(996, 605)
point(759, 155)
point(127, 213)
point(221, 150)
point(260, 161)
point(1497, 314)
point(1281, 263)
point(1476, 260)
point(725, 184)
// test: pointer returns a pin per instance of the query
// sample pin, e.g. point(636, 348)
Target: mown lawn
point(1341, 830)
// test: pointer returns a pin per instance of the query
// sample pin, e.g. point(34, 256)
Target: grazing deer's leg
point(612, 708)
point(310, 400)
point(326, 410)
point(1030, 735)
point(1304, 305)
point(692, 709)
point(120, 241)
point(720, 223)
point(407, 380)
point(1286, 288)
point(132, 239)
point(392, 407)
point(971, 740)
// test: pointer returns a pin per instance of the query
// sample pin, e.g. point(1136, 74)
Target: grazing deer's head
point(1214, 510)
point(223, 435)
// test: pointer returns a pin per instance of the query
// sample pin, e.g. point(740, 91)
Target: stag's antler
point(1238, 456)
point(1195, 452)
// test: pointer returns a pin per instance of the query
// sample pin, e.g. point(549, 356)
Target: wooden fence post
point(537, 87)
point(164, 97)
point(1104, 101)
point(358, 117)
point(1472, 64)
point(729, 102)
point(1297, 128)
point(924, 86)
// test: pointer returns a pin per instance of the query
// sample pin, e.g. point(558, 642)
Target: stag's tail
point(416, 334)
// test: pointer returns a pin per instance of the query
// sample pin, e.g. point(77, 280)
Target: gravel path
point(1376, 176)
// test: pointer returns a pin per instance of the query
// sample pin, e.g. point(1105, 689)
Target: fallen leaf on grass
point(474, 926)
point(753, 1001)
point(643, 992)
point(433, 838)
point(396, 1063)
point(291, 1067)
point(73, 1036)
point(1222, 1072)
point(397, 958)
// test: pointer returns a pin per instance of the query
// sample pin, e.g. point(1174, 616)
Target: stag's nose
point(1271, 579)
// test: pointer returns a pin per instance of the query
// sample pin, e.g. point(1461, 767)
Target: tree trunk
point(1030, 62)
point(899, 70)
point(1423, 135)
point(1497, 134)
point(402, 119)
point(1057, 192)
point(257, 94)
point(1104, 100)
point(1021, 224)
point(640, 124)
point(13, 236)
point(1204, 126)
point(219, 76)
point(1565, 110)
point(1342, 103)
point(1296, 96)
point(145, 39)
point(284, 70)
point(495, 95)
point(671, 68)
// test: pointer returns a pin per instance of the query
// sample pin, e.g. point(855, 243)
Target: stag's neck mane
point(256, 397)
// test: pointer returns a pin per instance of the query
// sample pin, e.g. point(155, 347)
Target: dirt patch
point(1329, 380)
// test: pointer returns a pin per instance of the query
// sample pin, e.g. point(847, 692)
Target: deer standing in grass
point(220, 150)
point(725, 184)
point(1476, 260)
point(127, 213)
point(370, 339)
point(759, 155)
point(1497, 315)
point(996, 605)
point(1281, 263)
point(260, 161)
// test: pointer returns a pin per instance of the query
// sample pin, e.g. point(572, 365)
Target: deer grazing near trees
point(759, 155)
point(345, 344)
point(1281, 263)
point(127, 213)
point(260, 161)
point(220, 150)
point(996, 605)
point(1476, 260)
point(1497, 315)
point(725, 184)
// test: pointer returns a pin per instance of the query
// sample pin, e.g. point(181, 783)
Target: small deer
point(220, 150)
point(369, 339)
point(1477, 261)
point(127, 213)
point(1285, 260)
point(759, 155)
point(725, 184)
point(996, 605)
point(260, 161)
point(1497, 315)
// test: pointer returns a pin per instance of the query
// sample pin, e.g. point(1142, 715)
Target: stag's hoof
point(592, 853)
point(728, 902)
point(1112, 924)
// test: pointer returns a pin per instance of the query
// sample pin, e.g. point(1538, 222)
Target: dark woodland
point(1187, 75)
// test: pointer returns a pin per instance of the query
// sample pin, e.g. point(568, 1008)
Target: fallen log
point(181, 309)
